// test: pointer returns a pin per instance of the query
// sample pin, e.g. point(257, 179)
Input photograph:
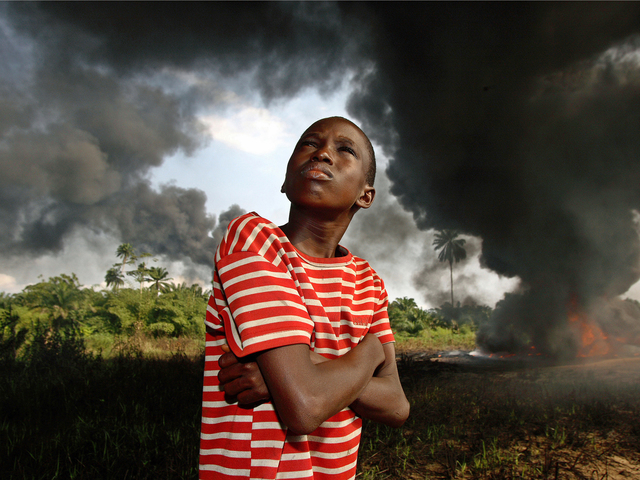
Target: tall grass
point(69, 414)
point(66, 413)
point(141, 344)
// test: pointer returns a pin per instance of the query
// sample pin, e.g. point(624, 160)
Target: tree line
point(156, 307)
point(160, 308)
point(408, 319)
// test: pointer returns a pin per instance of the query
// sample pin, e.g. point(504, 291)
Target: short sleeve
point(380, 325)
point(264, 308)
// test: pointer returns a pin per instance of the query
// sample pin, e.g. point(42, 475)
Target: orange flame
point(594, 342)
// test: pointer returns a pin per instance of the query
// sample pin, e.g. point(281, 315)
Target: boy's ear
point(367, 196)
point(282, 188)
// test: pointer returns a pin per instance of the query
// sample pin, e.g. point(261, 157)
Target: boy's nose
point(323, 155)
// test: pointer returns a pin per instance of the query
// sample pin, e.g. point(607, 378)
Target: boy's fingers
point(225, 348)
point(249, 397)
point(230, 373)
point(227, 359)
point(242, 381)
point(234, 387)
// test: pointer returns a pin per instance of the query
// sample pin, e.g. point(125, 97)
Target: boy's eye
point(349, 150)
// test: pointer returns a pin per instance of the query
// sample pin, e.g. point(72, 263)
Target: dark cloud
point(376, 232)
point(94, 96)
point(286, 46)
point(512, 127)
point(404, 256)
point(172, 222)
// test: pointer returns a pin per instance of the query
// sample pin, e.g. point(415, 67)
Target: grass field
point(512, 420)
point(66, 414)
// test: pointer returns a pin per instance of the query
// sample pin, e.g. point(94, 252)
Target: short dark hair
point(371, 171)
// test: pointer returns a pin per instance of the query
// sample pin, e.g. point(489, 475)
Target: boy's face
point(328, 168)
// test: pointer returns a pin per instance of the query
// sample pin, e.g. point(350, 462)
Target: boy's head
point(332, 167)
point(371, 165)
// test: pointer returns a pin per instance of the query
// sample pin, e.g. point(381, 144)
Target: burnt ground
point(519, 418)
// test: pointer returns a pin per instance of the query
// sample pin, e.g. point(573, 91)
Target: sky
point(514, 123)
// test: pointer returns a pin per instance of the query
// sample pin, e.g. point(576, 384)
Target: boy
point(307, 320)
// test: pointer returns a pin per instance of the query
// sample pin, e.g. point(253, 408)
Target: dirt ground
point(612, 460)
point(613, 384)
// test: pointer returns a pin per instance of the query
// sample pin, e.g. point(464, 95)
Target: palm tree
point(114, 277)
point(451, 250)
point(60, 297)
point(406, 316)
point(126, 252)
point(158, 275)
point(140, 274)
point(400, 308)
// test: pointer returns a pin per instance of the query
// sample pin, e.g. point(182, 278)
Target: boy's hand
point(242, 380)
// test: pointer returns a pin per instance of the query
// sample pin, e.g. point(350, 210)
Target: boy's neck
point(315, 236)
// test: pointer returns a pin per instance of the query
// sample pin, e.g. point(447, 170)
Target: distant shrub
point(99, 342)
point(474, 315)
point(161, 329)
point(54, 349)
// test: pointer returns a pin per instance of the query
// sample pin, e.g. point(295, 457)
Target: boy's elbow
point(401, 414)
point(301, 426)
point(396, 417)
point(301, 418)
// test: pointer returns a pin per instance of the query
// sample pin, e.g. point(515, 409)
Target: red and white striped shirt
point(267, 294)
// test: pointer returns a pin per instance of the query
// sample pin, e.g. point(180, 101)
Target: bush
point(99, 342)
point(68, 414)
point(54, 350)
point(161, 329)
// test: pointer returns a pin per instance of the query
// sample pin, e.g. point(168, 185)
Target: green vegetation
point(66, 413)
point(106, 319)
point(102, 384)
point(107, 384)
point(444, 328)
point(112, 319)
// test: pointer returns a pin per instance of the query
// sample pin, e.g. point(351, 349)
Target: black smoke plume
point(510, 123)
point(92, 99)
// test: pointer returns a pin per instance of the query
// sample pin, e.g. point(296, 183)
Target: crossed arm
point(307, 388)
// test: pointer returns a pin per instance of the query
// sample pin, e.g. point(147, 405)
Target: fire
point(608, 327)
point(594, 342)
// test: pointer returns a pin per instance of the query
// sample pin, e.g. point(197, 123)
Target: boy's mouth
point(316, 170)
